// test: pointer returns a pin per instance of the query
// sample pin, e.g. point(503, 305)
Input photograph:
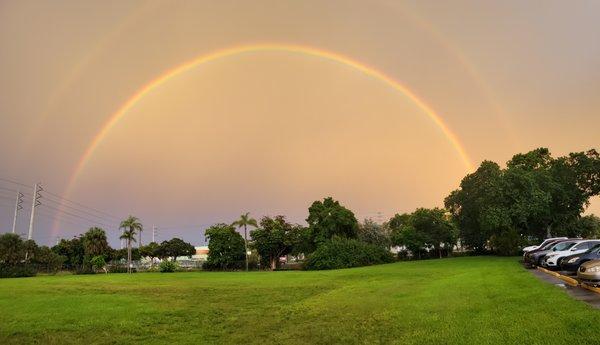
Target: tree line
point(494, 209)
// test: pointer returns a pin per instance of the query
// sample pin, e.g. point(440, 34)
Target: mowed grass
point(478, 300)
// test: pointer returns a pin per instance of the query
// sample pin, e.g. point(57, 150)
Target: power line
point(80, 210)
point(82, 205)
point(77, 216)
point(14, 182)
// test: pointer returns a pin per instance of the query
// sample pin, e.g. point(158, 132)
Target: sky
point(186, 114)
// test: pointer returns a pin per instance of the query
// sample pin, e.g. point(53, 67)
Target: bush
point(345, 253)
point(168, 266)
point(507, 243)
point(16, 271)
point(118, 268)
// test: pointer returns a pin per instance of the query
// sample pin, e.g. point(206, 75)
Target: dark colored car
point(534, 258)
point(572, 262)
point(528, 257)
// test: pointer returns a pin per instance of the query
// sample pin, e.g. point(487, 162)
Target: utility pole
point(35, 202)
point(153, 233)
point(18, 207)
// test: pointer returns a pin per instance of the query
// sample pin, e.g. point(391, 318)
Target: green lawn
point(463, 300)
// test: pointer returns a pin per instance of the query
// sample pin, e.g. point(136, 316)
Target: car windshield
point(549, 245)
point(563, 246)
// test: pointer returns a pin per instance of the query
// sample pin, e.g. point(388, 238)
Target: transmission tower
point(37, 189)
point(18, 207)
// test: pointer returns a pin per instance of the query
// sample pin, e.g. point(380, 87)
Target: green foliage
point(536, 195)
point(20, 258)
point(174, 248)
point(74, 252)
point(226, 248)
point(422, 230)
point(328, 218)
point(98, 262)
point(95, 243)
point(274, 238)
point(375, 234)
point(17, 271)
point(151, 250)
point(342, 252)
point(168, 266)
point(507, 243)
point(12, 249)
point(48, 261)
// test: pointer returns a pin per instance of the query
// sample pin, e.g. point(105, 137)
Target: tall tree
point(273, 239)
point(377, 234)
point(225, 247)
point(131, 225)
point(95, 243)
point(329, 218)
point(177, 247)
point(245, 221)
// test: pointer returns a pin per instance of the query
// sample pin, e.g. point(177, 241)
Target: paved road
point(589, 297)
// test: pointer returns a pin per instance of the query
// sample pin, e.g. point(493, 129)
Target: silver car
point(589, 272)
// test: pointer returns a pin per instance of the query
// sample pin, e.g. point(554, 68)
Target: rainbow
point(271, 47)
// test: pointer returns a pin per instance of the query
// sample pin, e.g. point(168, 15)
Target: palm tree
point(129, 236)
point(244, 221)
point(131, 225)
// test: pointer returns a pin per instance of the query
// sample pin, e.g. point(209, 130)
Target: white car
point(552, 260)
point(546, 241)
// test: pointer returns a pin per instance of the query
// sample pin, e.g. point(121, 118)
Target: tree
point(244, 222)
point(95, 244)
point(73, 251)
point(48, 260)
point(151, 250)
point(177, 247)
point(12, 249)
point(373, 233)
point(536, 195)
point(477, 206)
point(273, 239)
point(422, 230)
point(438, 230)
point(226, 247)
point(130, 225)
point(98, 263)
point(328, 218)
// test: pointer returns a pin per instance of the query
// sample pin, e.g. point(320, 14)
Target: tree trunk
point(140, 240)
point(246, 246)
point(273, 263)
point(129, 256)
point(440, 251)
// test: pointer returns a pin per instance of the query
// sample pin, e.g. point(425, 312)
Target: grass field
point(463, 300)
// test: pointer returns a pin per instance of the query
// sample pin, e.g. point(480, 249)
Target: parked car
point(572, 262)
point(589, 272)
point(534, 257)
point(546, 241)
point(552, 259)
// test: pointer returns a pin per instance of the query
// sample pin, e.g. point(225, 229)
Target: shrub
point(344, 253)
point(507, 243)
point(168, 266)
point(118, 268)
point(16, 271)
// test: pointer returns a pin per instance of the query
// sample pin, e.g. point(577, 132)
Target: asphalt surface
point(587, 296)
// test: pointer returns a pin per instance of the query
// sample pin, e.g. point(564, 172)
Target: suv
point(552, 260)
point(572, 262)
